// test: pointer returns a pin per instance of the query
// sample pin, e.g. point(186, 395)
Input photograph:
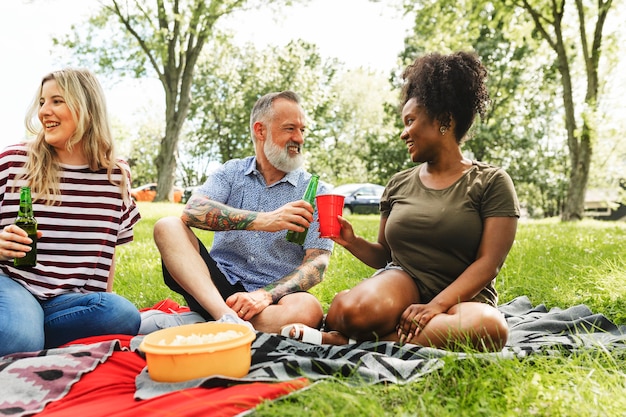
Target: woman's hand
point(414, 319)
point(14, 242)
point(347, 233)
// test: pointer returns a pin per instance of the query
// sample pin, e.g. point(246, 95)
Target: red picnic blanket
point(96, 376)
point(109, 391)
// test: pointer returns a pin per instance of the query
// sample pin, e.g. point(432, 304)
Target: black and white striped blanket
point(533, 330)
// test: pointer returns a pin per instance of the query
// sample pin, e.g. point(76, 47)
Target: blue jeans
point(28, 324)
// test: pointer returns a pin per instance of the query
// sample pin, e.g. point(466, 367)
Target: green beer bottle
point(27, 222)
point(309, 196)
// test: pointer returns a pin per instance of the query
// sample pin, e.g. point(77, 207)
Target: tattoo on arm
point(207, 214)
point(304, 277)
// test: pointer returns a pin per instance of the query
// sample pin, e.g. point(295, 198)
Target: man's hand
point(249, 304)
point(296, 216)
point(204, 213)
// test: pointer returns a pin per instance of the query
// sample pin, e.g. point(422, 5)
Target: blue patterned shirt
point(252, 257)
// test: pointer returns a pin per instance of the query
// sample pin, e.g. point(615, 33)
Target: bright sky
point(358, 32)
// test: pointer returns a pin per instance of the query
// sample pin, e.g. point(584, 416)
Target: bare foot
point(297, 332)
point(334, 338)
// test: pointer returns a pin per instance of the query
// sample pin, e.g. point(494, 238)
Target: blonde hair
point(85, 99)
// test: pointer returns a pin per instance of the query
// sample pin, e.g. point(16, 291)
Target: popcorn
point(199, 339)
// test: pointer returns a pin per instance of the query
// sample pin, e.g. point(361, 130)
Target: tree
point(164, 37)
point(548, 18)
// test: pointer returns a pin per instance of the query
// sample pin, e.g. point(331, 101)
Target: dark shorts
point(427, 295)
point(225, 288)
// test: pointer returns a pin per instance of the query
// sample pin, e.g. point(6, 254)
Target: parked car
point(360, 198)
point(147, 192)
point(188, 192)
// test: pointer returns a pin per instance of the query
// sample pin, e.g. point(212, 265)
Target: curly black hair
point(449, 87)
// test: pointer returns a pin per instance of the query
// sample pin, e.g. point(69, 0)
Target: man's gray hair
point(263, 110)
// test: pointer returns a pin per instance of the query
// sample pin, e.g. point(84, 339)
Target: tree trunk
point(575, 203)
point(579, 166)
point(166, 161)
point(574, 206)
point(580, 145)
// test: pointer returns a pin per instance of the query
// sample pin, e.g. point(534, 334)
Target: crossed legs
point(180, 252)
point(372, 309)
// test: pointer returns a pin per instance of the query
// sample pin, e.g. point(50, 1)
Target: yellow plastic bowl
point(229, 358)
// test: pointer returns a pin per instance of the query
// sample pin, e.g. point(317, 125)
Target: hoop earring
point(443, 130)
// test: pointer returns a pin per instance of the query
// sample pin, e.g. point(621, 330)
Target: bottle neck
point(311, 190)
point(26, 205)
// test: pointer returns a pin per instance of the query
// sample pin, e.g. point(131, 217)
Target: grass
point(552, 263)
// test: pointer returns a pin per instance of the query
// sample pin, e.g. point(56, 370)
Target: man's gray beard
point(280, 158)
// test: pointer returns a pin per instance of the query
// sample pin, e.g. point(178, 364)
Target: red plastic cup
point(329, 206)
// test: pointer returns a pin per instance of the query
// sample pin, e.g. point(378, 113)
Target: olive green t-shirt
point(434, 235)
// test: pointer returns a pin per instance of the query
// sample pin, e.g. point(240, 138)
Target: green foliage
point(344, 107)
point(352, 120)
point(143, 153)
point(355, 124)
point(576, 42)
point(553, 263)
point(232, 78)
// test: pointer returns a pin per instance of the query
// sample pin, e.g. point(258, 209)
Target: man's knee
point(306, 308)
point(172, 231)
point(164, 226)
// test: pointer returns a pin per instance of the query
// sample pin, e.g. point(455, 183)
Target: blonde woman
point(81, 199)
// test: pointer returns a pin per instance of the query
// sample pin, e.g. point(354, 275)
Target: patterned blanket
point(29, 381)
point(533, 330)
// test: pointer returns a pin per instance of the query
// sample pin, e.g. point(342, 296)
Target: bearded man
point(252, 274)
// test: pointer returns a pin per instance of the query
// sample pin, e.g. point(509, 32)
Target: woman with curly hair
point(82, 203)
point(446, 227)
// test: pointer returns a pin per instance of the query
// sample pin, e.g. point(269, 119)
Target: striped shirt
point(80, 234)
